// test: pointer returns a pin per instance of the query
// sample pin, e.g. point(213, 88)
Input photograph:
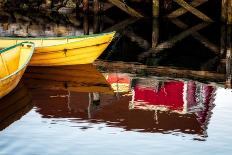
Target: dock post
point(96, 24)
point(155, 32)
point(86, 24)
point(96, 6)
point(229, 10)
point(85, 4)
point(155, 8)
point(228, 58)
point(77, 6)
point(226, 13)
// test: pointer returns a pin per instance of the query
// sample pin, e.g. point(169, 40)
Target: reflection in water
point(120, 82)
point(187, 99)
point(14, 106)
point(143, 104)
point(78, 78)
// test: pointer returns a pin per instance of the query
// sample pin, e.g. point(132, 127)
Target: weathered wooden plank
point(125, 8)
point(155, 8)
point(182, 10)
point(194, 10)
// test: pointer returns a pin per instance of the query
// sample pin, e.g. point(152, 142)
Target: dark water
point(133, 100)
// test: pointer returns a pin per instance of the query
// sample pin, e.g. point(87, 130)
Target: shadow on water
point(157, 76)
point(14, 106)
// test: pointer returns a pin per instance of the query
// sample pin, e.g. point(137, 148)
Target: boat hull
point(9, 84)
point(10, 75)
point(65, 51)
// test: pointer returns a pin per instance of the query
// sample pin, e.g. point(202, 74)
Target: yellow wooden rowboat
point(64, 50)
point(75, 78)
point(13, 62)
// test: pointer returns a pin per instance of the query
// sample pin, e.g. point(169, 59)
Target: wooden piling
point(96, 6)
point(86, 24)
point(229, 10)
point(226, 13)
point(85, 4)
point(155, 8)
point(228, 58)
point(77, 7)
point(155, 33)
point(96, 24)
point(223, 40)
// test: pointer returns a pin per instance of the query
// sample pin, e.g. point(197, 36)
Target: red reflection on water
point(187, 107)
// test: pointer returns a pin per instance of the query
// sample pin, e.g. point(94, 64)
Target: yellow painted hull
point(76, 78)
point(64, 50)
point(13, 62)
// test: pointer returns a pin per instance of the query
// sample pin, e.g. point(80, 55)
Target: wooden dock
point(158, 7)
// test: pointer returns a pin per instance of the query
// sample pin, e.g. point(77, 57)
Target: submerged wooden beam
point(193, 10)
point(161, 71)
point(204, 41)
point(122, 25)
point(125, 8)
point(155, 8)
point(171, 42)
point(139, 40)
point(182, 10)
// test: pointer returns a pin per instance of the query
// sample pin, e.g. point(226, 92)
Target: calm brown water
point(130, 101)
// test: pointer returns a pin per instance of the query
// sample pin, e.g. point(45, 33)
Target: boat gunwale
point(57, 38)
point(24, 65)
